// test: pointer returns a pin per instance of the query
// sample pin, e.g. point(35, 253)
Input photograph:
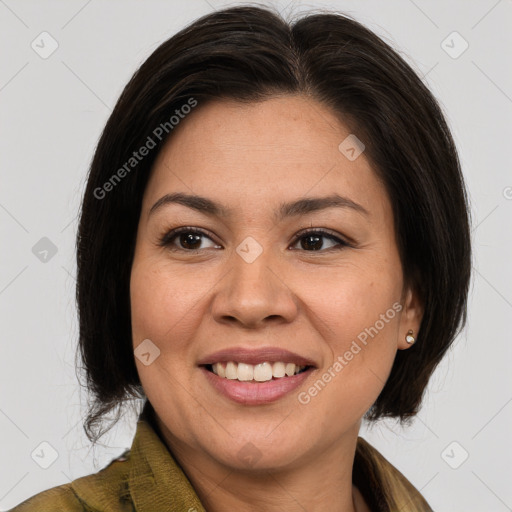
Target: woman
point(273, 246)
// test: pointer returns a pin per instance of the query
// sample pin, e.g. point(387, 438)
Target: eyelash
point(168, 238)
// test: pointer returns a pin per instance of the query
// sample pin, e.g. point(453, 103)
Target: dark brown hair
point(249, 53)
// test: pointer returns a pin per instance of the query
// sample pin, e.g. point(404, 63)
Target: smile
point(261, 372)
point(255, 376)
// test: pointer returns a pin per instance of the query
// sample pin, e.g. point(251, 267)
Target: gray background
point(52, 113)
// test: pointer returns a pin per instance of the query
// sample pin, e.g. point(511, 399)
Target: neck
point(318, 482)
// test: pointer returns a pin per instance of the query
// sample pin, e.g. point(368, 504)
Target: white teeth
point(289, 369)
point(219, 369)
point(261, 372)
point(278, 370)
point(231, 371)
point(245, 371)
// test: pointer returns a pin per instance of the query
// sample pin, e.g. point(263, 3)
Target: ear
point(411, 317)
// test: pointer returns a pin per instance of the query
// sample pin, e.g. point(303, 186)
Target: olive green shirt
point(147, 478)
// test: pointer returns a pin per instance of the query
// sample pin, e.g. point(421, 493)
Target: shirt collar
point(153, 472)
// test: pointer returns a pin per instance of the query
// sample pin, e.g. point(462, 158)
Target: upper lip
point(255, 356)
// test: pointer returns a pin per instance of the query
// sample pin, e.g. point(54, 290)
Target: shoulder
point(145, 477)
point(382, 485)
point(61, 497)
point(104, 490)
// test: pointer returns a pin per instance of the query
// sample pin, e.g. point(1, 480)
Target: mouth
point(262, 372)
point(254, 377)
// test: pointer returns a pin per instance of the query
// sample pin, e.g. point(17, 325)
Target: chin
point(264, 448)
point(252, 456)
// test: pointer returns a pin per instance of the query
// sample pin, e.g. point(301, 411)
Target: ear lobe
point(410, 319)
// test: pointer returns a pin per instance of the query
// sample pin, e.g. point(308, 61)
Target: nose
point(254, 293)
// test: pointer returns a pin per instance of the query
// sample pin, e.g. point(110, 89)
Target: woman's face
point(253, 283)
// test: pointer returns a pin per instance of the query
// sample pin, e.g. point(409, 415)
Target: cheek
point(347, 303)
point(162, 310)
point(361, 356)
point(359, 317)
point(162, 305)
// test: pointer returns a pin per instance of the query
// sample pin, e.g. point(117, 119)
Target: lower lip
point(255, 393)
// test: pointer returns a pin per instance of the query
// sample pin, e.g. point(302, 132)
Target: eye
point(189, 239)
point(313, 240)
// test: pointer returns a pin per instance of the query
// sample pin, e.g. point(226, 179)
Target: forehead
point(286, 146)
point(296, 125)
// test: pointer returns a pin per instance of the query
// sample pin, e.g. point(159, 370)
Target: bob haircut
point(249, 54)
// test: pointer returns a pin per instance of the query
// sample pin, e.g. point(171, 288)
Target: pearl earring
point(409, 337)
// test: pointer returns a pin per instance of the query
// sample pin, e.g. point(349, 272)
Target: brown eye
point(189, 240)
point(184, 239)
point(313, 240)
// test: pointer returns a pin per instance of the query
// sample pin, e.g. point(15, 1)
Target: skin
point(251, 158)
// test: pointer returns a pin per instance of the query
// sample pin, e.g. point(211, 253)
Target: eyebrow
point(291, 209)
